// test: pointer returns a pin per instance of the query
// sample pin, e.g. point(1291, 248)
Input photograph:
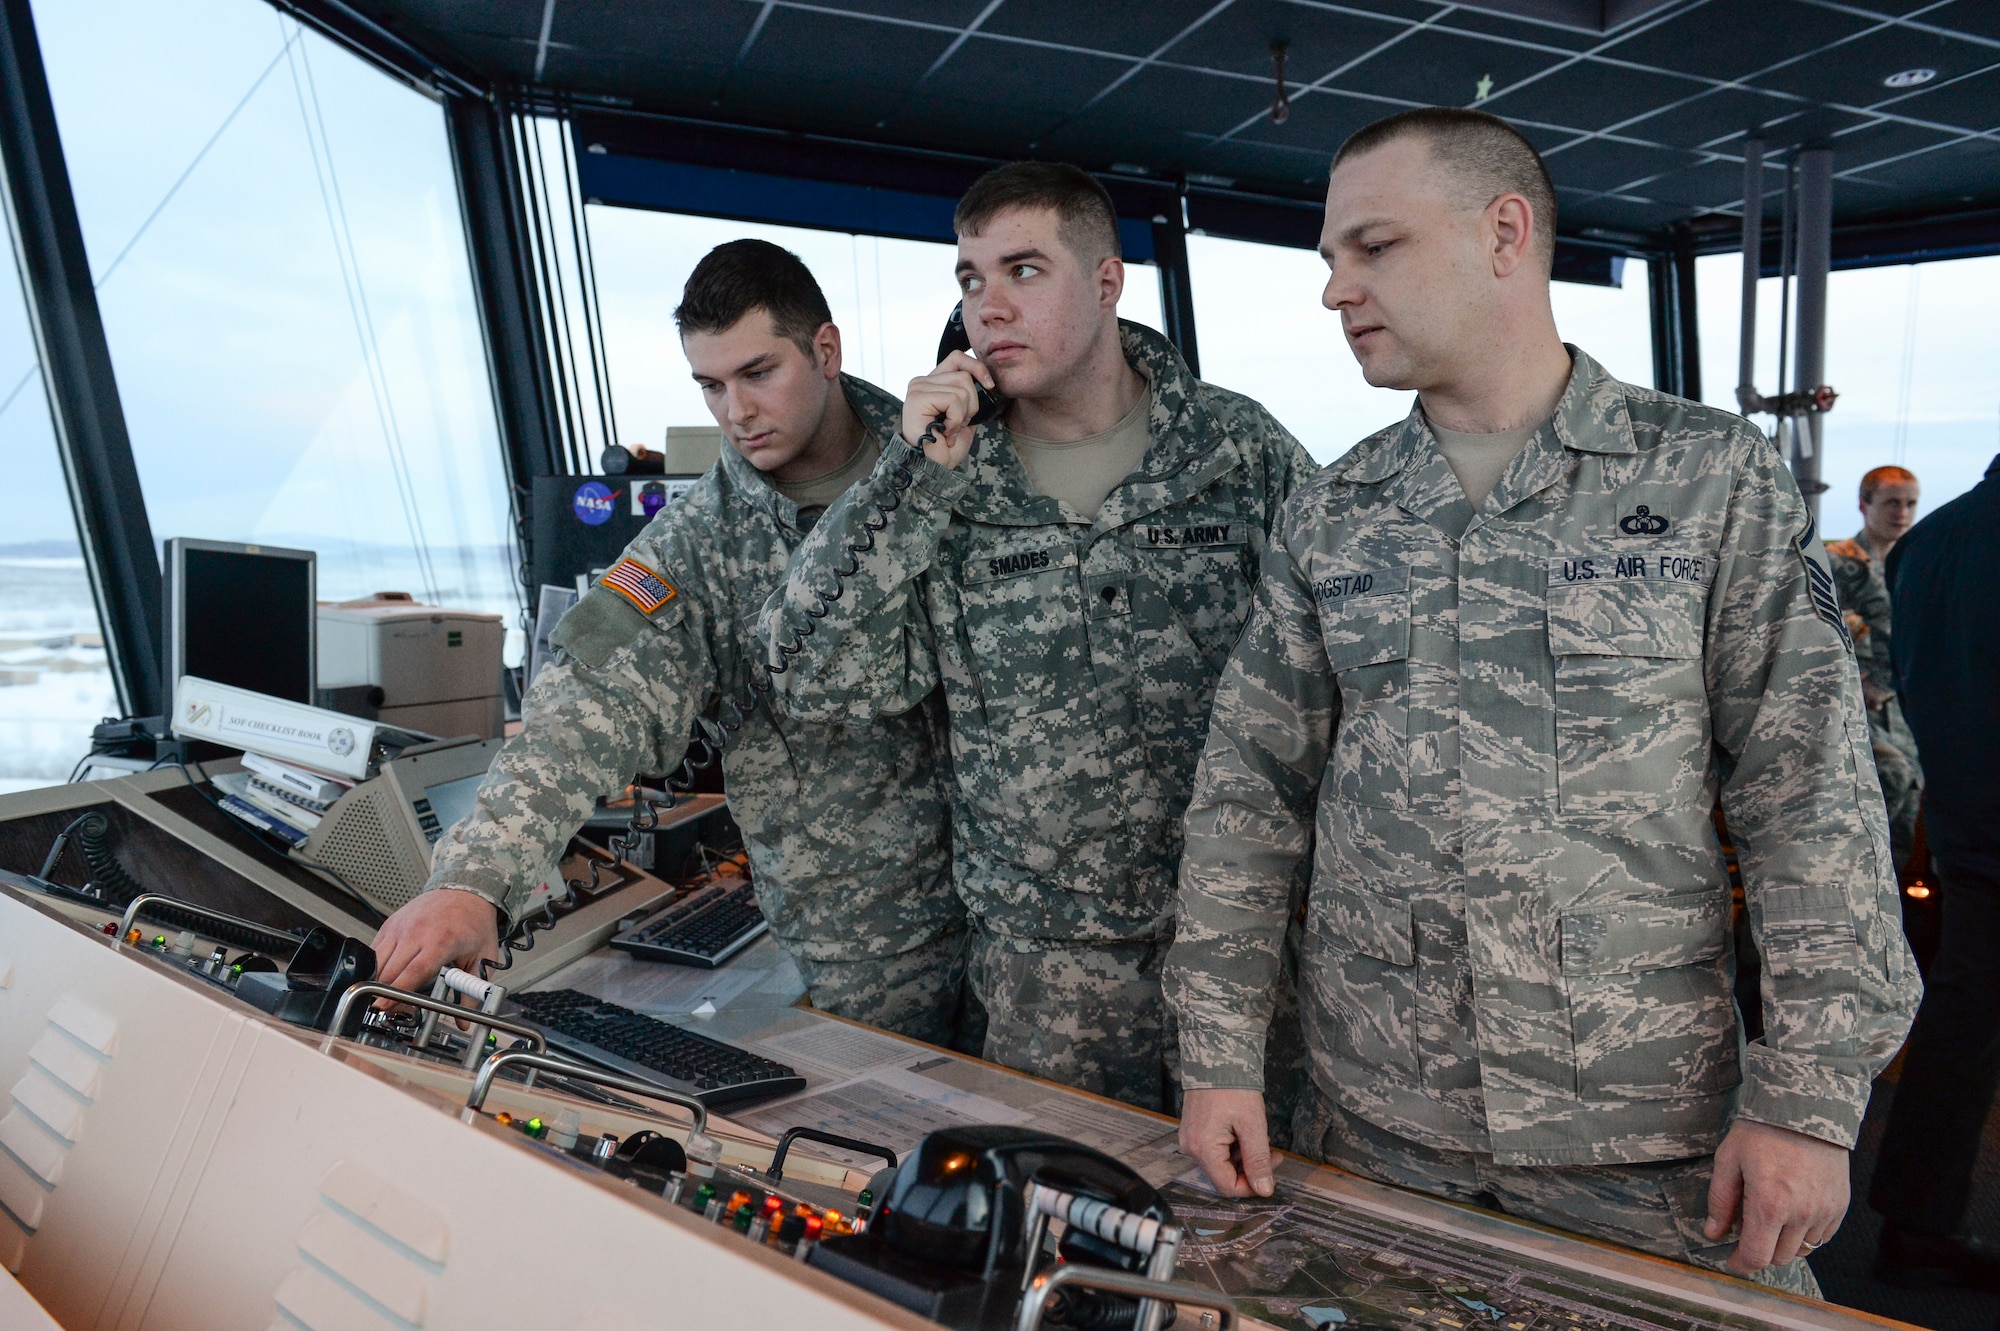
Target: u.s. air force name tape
point(1654, 566)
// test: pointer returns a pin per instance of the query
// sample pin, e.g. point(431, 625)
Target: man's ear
point(1110, 281)
point(1511, 223)
point(826, 350)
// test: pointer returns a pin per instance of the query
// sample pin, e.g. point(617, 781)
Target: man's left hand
point(1790, 1188)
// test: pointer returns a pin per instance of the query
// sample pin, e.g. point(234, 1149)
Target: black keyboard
point(625, 1041)
point(704, 929)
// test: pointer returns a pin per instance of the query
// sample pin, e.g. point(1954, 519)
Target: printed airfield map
point(1307, 1262)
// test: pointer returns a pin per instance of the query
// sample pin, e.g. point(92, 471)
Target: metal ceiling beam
point(75, 358)
point(349, 28)
point(504, 286)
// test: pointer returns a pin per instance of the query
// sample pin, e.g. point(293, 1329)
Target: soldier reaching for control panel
point(1074, 573)
point(846, 820)
point(1505, 657)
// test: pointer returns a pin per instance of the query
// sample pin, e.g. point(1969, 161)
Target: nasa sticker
point(340, 741)
point(593, 504)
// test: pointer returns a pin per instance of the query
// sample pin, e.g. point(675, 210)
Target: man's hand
point(1790, 1188)
point(438, 929)
point(1224, 1132)
point(951, 390)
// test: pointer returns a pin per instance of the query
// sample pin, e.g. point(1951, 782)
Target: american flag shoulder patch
point(639, 585)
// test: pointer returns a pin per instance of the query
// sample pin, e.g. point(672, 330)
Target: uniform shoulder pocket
point(603, 621)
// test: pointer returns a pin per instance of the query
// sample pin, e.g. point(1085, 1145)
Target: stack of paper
point(284, 799)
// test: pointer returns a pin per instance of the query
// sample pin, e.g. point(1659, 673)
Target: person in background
point(1888, 507)
point(1947, 657)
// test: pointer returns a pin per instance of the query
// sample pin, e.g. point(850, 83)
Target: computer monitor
point(243, 615)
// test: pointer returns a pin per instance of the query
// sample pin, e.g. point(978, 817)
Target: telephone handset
point(955, 338)
point(951, 1239)
point(711, 737)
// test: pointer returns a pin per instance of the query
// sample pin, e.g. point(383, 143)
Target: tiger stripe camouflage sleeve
point(618, 700)
point(1250, 828)
point(1799, 794)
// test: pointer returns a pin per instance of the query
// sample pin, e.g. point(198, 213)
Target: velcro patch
point(1352, 586)
point(639, 585)
point(1574, 570)
point(1819, 582)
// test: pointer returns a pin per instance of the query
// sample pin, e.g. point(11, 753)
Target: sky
point(283, 281)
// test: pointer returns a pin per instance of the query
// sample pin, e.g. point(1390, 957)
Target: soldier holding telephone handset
point(1074, 572)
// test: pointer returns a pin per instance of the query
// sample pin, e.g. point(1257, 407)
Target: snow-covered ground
point(54, 682)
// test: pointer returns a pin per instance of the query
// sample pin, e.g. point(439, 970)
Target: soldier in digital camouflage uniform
point(1888, 507)
point(845, 821)
point(1078, 651)
point(1496, 728)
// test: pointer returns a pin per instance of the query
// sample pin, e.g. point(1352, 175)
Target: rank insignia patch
point(639, 585)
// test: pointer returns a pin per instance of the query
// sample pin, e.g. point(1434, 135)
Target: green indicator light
point(536, 1127)
point(867, 1197)
point(744, 1215)
point(160, 940)
point(237, 969)
point(704, 1195)
point(491, 1038)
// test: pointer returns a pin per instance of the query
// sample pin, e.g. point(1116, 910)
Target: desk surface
point(1330, 1252)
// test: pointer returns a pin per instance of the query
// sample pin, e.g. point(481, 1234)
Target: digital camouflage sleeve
point(618, 700)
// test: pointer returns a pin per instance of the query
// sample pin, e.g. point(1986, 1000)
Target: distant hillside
point(41, 550)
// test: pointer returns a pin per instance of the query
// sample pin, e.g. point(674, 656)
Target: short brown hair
point(1085, 218)
point(1881, 476)
point(739, 276)
point(1486, 155)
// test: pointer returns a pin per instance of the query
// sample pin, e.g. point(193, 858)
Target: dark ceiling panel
point(1135, 30)
point(1979, 17)
point(1884, 141)
point(1722, 116)
point(1728, 39)
point(1593, 95)
point(1852, 73)
point(1502, 27)
point(1123, 126)
point(1600, 164)
point(1971, 103)
point(940, 13)
point(1620, 117)
point(1434, 68)
point(1707, 185)
point(1317, 42)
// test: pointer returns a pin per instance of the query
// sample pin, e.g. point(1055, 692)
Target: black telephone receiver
point(955, 338)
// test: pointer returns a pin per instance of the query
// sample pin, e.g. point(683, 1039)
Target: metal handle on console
point(1036, 1300)
point(358, 992)
point(147, 898)
point(578, 1072)
point(776, 1173)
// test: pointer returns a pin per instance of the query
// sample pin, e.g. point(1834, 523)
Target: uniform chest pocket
point(1023, 621)
point(1031, 757)
point(1632, 724)
point(1193, 591)
point(1367, 640)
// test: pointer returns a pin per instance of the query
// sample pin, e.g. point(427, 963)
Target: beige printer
point(438, 669)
